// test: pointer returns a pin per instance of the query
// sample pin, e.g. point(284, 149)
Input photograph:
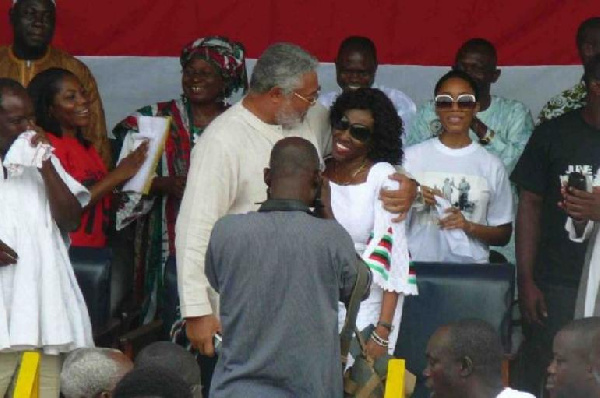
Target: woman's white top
point(469, 178)
point(381, 243)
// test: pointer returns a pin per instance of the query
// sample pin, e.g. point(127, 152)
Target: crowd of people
point(267, 208)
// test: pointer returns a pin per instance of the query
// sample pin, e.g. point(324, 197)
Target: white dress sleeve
point(387, 250)
point(81, 193)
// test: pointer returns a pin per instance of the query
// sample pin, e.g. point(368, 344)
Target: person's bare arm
point(65, 208)
point(386, 315)
point(399, 201)
point(532, 303)
point(490, 235)
point(123, 172)
point(7, 255)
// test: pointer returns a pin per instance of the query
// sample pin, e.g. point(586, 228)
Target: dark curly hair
point(42, 89)
point(385, 144)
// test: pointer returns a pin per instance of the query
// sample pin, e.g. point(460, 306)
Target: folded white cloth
point(153, 129)
point(456, 238)
point(21, 154)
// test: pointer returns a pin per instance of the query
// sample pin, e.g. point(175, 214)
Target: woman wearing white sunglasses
point(466, 203)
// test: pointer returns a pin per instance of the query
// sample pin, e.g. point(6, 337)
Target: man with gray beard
point(226, 170)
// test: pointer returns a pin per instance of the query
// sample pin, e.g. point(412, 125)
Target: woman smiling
point(366, 142)
point(62, 110)
point(467, 201)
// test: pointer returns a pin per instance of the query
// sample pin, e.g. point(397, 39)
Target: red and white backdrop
point(132, 46)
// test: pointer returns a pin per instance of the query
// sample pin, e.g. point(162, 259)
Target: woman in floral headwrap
point(213, 68)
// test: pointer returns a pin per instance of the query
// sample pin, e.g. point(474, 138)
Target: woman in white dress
point(366, 142)
point(41, 305)
point(474, 207)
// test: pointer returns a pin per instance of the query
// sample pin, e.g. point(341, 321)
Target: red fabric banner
point(422, 32)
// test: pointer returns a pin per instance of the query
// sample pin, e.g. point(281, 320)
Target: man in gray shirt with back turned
point(280, 273)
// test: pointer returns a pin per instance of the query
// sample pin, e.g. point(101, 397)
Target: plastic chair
point(450, 292)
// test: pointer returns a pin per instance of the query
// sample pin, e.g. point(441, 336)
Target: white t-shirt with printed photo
point(471, 179)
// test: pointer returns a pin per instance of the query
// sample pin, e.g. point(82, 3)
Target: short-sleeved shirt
point(510, 120)
point(86, 166)
point(556, 148)
point(471, 179)
point(24, 71)
point(280, 275)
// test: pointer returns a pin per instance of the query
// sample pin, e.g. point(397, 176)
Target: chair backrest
point(447, 293)
point(92, 268)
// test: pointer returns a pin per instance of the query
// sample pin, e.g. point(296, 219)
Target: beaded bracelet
point(379, 340)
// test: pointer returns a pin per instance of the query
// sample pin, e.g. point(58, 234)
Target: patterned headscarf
point(226, 55)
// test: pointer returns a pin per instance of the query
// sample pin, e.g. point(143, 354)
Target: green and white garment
point(568, 100)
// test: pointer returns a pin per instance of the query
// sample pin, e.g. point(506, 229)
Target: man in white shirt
point(572, 373)
point(355, 67)
point(464, 359)
point(226, 170)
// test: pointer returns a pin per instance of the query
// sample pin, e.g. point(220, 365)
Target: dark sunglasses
point(357, 131)
point(463, 101)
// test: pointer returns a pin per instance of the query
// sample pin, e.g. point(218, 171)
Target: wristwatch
point(489, 134)
point(419, 197)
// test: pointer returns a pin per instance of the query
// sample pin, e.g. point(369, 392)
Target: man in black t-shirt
point(549, 264)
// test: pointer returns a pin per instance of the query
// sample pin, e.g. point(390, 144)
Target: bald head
point(583, 332)
point(570, 374)
point(293, 171)
point(480, 46)
point(479, 341)
point(588, 39)
point(168, 355)
point(293, 156)
point(464, 357)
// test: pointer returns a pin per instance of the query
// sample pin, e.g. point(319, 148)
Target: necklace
point(353, 176)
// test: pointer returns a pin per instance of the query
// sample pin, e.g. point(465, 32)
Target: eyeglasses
point(310, 101)
point(357, 131)
point(463, 101)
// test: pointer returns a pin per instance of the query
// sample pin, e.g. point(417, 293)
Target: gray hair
point(281, 65)
point(87, 372)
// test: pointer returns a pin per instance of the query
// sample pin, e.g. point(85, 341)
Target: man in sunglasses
point(502, 125)
point(355, 67)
